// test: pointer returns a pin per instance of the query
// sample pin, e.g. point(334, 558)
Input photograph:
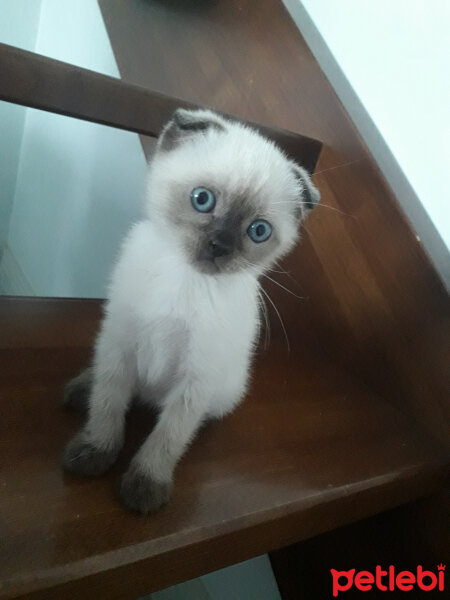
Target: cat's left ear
point(309, 195)
point(186, 123)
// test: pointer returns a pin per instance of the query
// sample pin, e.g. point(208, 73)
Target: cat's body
point(179, 327)
point(182, 316)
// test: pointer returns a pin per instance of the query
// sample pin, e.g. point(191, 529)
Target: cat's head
point(227, 196)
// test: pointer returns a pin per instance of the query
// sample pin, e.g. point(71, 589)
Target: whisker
point(281, 270)
point(276, 271)
point(283, 287)
point(252, 265)
point(266, 320)
point(257, 269)
point(288, 275)
point(319, 205)
point(264, 311)
point(341, 212)
point(279, 316)
point(352, 162)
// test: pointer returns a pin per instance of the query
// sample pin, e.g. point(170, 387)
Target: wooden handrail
point(37, 81)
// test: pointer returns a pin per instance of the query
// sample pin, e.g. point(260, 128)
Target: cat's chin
point(209, 267)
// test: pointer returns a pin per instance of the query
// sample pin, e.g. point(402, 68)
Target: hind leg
point(77, 391)
point(95, 447)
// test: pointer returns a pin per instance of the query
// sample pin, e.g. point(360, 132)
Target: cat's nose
point(221, 244)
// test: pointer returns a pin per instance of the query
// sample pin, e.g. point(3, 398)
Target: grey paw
point(82, 458)
point(142, 493)
point(76, 392)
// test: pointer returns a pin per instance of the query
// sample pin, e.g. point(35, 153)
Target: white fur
point(152, 288)
point(178, 336)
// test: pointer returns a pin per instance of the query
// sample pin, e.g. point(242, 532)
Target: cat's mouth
point(216, 254)
point(207, 266)
point(213, 266)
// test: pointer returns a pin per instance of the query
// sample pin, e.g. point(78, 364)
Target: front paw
point(82, 458)
point(141, 493)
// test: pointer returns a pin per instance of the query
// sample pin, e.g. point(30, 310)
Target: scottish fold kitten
point(183, 315)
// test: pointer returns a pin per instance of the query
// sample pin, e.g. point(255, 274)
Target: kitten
point(182, 316)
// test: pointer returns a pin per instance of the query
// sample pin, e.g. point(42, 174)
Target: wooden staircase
point(351, 422)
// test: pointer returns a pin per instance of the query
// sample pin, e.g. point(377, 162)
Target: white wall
point(19, 21)
point(79, 185)
point(389, 61)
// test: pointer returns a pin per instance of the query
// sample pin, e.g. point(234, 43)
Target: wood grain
point(309, 450)
point(40, 82)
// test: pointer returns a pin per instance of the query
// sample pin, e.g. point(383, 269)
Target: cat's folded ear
point(309, 194)
point(186, 123)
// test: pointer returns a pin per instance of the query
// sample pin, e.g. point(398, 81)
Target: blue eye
point(202, 199)
point(259, 231)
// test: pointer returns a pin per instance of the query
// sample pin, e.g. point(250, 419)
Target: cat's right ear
point(309, 196)
point(186, 123)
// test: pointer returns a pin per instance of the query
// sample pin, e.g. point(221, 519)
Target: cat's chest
point(196, 302)
point(183, 325)
point(191, 322)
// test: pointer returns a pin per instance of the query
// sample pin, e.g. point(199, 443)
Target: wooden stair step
point(310, 449)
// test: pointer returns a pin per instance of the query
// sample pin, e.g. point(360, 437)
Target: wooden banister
point(40, 82)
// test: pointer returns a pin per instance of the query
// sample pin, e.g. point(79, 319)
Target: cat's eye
point(259, 231)
point(202, 199)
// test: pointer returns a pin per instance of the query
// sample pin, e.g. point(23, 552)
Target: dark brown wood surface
point(309, 450)
point(37, 81)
